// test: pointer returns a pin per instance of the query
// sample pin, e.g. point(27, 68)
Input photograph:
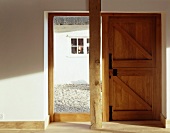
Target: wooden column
point(105, 70)
point(50, 68)
point(94, 61)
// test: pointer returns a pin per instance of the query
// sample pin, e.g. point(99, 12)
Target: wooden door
point(133, 90)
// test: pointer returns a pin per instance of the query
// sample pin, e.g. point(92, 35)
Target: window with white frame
point(79, 45)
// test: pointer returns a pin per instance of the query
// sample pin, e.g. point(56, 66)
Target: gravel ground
point(72, 98)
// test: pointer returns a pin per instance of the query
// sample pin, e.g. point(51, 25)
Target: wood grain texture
point(105, 70)
point(164, 121)
point(94, 61)
point(135, 44)
point(34, 125)
point(108, 127)
point(50, 67)
point(71, 117)
point(131, 92)
point(157, 93)
point(132, 115)
point(133, 41)
point(51, 59)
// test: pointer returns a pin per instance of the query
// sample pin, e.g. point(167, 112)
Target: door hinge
point(110, 113)
point(110, 61)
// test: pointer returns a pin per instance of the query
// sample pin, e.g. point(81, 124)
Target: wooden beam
point(94, 61)
point(105, 70)
point(50, 68)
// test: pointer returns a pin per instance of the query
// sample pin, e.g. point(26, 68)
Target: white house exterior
point(71, 66)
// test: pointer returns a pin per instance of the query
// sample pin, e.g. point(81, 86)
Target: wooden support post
point(94, 61)
point(105, 70)
point(50, 68)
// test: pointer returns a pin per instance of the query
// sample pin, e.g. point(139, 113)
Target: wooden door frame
point(52, 114)
point(105, 63)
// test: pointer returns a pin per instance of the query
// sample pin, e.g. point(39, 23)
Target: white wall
point(22, 90)
point(70, 68)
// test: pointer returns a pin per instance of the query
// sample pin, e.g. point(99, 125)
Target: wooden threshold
point(71, 117)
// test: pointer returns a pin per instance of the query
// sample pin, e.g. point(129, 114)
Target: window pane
point(80, 50)
point(88, 40)
point(87, 50)
point(80, 42)
point(73, 42)
point(74, 50)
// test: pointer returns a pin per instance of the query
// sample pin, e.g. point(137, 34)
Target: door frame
point(55, 116)
point(105, 61)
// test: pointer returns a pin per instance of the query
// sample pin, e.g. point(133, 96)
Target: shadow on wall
point(20, 67)
point(21, 40)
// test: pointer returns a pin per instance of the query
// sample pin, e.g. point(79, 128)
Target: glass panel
point(80, 50)
point(74, 50)
point(73, 42)
point(87, 50)
point(88, 40)
point(80, 46)
point(80, 42)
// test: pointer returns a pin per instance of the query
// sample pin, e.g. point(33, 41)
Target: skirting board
point(165, 122)
point(24, 125)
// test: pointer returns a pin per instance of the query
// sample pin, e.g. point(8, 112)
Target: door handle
point(115, 72)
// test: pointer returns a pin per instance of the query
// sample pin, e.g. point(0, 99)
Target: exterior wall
point(23, 51)
point(70, 68)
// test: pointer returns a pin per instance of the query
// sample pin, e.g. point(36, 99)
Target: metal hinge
point(110, 113)
point(110, 61)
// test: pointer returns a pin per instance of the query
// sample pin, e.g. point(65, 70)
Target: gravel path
point(72, 98)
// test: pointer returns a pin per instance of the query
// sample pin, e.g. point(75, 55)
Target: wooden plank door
point(133, 68)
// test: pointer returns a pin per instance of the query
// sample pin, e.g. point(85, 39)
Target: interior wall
point(23, 59)
point(23, 81)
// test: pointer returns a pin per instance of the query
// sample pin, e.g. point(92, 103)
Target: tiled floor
point(108, 127)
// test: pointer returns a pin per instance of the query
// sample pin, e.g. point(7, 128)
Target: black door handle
point(114, 72)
